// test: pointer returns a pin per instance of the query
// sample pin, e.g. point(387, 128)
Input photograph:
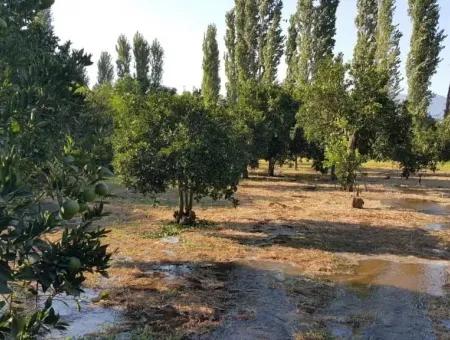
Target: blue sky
point(180, 25)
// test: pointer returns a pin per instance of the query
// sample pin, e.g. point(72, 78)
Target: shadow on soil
point(341, 238)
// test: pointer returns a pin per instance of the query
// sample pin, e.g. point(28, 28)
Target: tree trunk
point(296, 163)
point(245, 173)
point(333, 173)
point(179, 214)
point(271, 171)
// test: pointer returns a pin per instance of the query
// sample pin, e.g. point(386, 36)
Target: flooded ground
point(387, 299)
point(263, 309)
point(288, 263)
point(419, 205)
point(84, 319)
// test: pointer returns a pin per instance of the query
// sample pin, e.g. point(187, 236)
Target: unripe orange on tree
point(89, 194)
point(101, 189)
point(74, 264)
point(69, 209)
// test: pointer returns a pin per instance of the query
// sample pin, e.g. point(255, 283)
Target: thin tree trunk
point(181, 204)
point(296, 163)
point(351, 152)
point(245, 173)
point(333, 172)
point(271, 172)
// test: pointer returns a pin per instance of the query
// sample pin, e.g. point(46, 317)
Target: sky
point(180, 26)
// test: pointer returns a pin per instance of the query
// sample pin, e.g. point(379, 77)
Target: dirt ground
point(285, 262)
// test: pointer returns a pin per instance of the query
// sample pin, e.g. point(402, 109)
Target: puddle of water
point(90, 319)
point(426, 278)
point(423, 206)
point(170, 273)
point(437, 226)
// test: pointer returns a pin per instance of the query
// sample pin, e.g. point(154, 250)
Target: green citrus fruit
point(74, 264)
point(69, 209)
point(89, 194)
point(101, 189)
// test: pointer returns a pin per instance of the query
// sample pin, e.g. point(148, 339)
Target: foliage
point(174, 141)
point(388, 49)
point(123, 49)
point(31, 264)
point(141, 51)
point(39, 99)
point(156, 64)
point(269, 113)
point(211, 64)
point(105, 69)
point(230, 57)
point(347, 162)
point(423, 58)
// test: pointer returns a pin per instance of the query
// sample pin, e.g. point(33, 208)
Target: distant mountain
point(437, 107)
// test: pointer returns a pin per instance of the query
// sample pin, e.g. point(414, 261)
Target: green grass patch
point(175, 229)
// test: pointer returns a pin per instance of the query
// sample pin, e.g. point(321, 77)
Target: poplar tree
point(230, 57)
point(211, 79)
point(423, 58)
point(365, 49)
point(105, 69)
point(246, 22)
point(141, 51)
point(123, 61)
point(324, 32)
point(304, 40)
point(291, 51)
point(388, 49)
point(311, 39)
point(271, 40)
point(156, 64)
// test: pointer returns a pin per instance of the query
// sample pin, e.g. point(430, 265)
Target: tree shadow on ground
point(340, 238)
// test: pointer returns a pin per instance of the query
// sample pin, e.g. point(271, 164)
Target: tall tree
point(156, 63)
point(123, 62)
point(291, 51)
point(141, 51)
point(304, 40)
point(105, 72)
point(246, 12)
point(311, 39)
point(271, 40)
point(230, 57)
point(423, 58)
point(388, 49)
point(366, 45)
point(324, 32)
point(211, 79)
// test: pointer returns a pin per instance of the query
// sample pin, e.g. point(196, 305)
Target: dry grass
point(300, 218)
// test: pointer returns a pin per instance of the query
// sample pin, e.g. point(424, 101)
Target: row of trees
point(338, 114)
point(148, 62)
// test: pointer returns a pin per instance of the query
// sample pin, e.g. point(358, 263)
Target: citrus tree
point(46, 245)
point(163, 140)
